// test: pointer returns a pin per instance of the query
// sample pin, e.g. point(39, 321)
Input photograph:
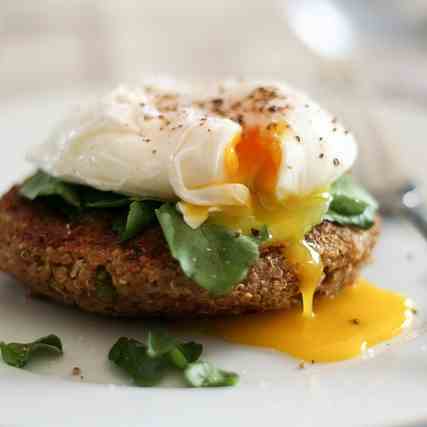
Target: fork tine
point(378, 164)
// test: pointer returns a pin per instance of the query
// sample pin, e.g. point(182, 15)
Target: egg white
point(151, 141)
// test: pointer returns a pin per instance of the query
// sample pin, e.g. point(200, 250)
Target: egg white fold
point(124, 144)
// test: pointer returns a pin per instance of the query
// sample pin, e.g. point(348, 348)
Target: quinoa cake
point(68, 260)
point(185, 200)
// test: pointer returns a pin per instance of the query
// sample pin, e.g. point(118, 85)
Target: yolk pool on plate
point(360, 316)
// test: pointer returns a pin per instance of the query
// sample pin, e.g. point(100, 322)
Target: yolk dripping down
point(255, 161)
point(343, 327)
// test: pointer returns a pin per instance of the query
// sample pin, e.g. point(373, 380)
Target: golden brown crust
point(59, 259)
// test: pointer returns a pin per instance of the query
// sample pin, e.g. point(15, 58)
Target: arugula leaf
point(190, 350)
point(69, 198)
point(104, 287)
point(211, 255)
point(160, 343)
point(204, 374)
point(184, 354)
point(147, 365)
point(131, 355)
point(18, 355)
point(347, 206)
point(140, 215)
point(97, 199)
point(351, 204)
point(349, 198)
point(42, 184)
point(364, 221)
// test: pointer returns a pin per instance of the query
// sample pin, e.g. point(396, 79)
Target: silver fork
point(379, 169)
point(378, 166)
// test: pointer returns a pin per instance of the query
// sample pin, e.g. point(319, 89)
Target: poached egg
point(211, 147)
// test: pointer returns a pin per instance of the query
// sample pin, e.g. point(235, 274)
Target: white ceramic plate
point(386, 388)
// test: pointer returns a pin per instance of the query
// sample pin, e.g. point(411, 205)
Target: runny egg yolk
point(255, 161)
point(361, 316)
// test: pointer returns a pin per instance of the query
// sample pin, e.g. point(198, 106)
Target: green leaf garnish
point(190, 352)
point(347, 206)
point(131, 355)
point(42, 185)
point(184, 354)
point(73, 198)
point(18, 355)
point(349, 198)
point(96, 199)
point(364, 221)
point(351, 204)
point(159, 343)
point(204, 374)
point(211, 255)
point(140, 215)
point(148, 364)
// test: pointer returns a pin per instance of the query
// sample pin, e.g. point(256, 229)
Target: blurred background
point(56, 44)
point(365, 59)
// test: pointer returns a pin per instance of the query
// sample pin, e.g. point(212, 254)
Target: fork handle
point(415, 209)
